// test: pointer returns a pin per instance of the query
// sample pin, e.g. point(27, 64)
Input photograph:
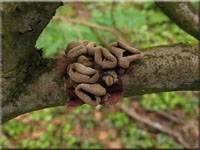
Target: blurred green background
point(139, 24)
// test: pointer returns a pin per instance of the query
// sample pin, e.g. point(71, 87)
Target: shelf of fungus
point(92, 73)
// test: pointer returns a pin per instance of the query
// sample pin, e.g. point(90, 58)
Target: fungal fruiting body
point(92, 73)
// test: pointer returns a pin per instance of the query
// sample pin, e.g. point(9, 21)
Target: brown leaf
point(114, 98)
point(62, 64)
point(75, 103)
point(98, 115)
point(103, 135)
point(116, 93)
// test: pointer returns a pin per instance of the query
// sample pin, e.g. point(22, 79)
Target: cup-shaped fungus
point(108, 80)
point(104, 58)
point(90, 72)
point(71, 45)
point(90, 93)
point(77, 51)
point(85, 42)
point(125, 54)
point(82, 74)
point(92, 47)
point(110, 77)
point(84, 61)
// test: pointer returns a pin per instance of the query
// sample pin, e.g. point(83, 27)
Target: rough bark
point(161, 69)
point(31, 82)
point(184, 15)
point(22, 23)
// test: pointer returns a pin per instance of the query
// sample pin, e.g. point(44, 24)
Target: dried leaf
point(62, 64)
point(116, 93)
point(114, 98)
point(75, 103)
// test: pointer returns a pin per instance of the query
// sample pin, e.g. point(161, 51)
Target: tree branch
point(22, 23)
point(183, 14)
point(91, 25)
point(161, 69)
point(164, 68)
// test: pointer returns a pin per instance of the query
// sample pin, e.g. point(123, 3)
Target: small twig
point(78, 32)
point(101, 39)
point(168, 116)
point(75, 29)
point(165, 114)
point(90, 25)
point(113, 19)
point(155, 125)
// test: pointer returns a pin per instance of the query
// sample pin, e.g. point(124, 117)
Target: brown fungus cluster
point(92, 73)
